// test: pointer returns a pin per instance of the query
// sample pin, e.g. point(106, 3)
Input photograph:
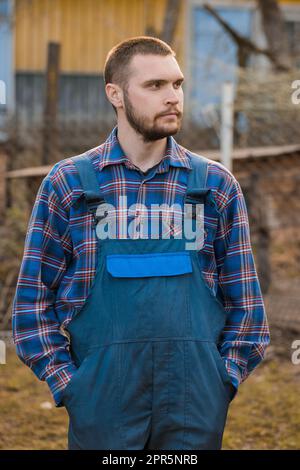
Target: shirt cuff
point(234, 372)
point(58, 381)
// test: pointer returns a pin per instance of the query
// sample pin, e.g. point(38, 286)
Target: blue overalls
point(150, 375)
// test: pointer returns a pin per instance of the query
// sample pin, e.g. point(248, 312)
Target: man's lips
point(170, 114)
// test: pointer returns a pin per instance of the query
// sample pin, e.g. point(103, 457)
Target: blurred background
point(241, 62)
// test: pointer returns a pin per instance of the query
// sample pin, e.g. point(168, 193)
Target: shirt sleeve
point(39, 342)
point(246, 335)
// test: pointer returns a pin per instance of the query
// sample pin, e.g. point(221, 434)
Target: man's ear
point(114, 94)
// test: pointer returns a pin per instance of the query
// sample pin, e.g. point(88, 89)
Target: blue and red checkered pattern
point(60, 253)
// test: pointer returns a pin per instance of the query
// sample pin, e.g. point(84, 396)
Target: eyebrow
point(162, 82)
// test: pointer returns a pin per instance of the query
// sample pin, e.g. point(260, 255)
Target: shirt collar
point(111, 153)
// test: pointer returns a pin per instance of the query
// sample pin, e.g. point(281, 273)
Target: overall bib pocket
point(149, 294)
point(149, 264)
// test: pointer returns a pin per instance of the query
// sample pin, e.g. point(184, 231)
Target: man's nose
point(172, 97)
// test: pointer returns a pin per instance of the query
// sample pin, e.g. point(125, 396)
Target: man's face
point(154, 90)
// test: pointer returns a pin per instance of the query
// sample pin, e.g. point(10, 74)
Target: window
point(293, 32)
point(4, 8)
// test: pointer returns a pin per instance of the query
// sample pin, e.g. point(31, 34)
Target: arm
point(36, 329)
point(246, 333)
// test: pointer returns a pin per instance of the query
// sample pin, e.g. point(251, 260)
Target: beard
point(139, 123)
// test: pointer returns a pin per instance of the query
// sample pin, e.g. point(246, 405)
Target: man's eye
point(158, 84)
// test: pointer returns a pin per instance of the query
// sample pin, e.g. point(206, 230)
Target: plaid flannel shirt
point(59, 260)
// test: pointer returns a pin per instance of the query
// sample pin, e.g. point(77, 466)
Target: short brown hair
point(116, 67)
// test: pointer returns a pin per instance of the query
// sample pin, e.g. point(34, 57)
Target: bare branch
point(273, 24)
point(170, 20)
point(246, 46)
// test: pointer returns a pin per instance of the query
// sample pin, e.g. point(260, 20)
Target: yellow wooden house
point(87, 29)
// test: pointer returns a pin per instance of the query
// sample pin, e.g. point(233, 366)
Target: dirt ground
point(265, 413)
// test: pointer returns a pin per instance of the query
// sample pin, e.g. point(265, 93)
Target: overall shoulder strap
point(197, 188)
point(87, 175)
point(198, 175)
point(89, 182)
point(197, 178)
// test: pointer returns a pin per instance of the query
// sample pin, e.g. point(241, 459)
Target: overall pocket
point(149, 264)
point(227, 382)
point(72, 391)
point(149, 294)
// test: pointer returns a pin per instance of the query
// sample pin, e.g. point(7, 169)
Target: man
point(144, 339)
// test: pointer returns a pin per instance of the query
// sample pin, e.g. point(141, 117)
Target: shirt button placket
point(139, 220)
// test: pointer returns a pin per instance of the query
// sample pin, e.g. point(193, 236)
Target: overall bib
point(150, 375)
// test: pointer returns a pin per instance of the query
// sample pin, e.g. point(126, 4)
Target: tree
point(172, 12)
point(273, 25)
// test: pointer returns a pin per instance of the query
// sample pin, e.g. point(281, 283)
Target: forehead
point(150, 66)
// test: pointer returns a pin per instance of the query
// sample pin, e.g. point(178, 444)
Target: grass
point(24, 424)
point(265, 413)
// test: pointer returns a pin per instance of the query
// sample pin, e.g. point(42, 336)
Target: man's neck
point(142, 154)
